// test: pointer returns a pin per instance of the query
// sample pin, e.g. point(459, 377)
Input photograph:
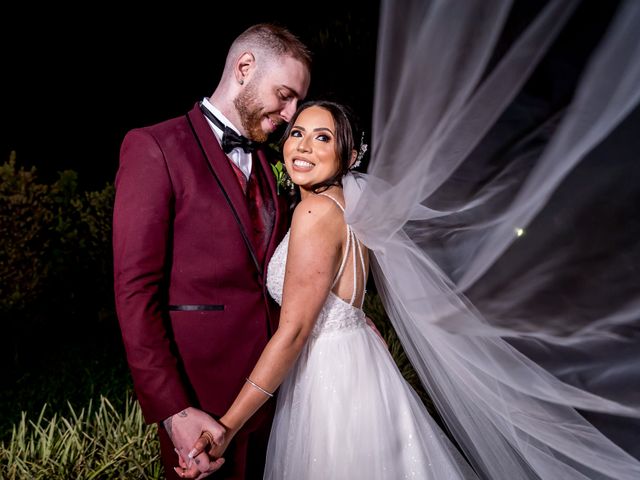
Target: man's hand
point(184, 429)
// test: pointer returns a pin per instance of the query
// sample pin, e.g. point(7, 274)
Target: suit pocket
point(195, 308)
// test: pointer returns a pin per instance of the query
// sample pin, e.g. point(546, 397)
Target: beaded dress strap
point(351, 243)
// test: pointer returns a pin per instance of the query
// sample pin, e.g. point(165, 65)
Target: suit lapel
point(223, 171)
point(279, 203)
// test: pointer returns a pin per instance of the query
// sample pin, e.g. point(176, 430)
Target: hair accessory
point(361, 151)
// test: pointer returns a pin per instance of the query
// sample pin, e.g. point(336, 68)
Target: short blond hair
point(273, 41)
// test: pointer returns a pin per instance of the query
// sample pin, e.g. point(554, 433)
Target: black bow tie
point(230, 139)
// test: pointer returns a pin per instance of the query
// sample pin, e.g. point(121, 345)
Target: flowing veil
point(504, 226)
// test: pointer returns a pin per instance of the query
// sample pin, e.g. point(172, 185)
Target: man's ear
point(244, 66)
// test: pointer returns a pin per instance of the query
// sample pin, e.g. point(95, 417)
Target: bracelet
point(259, 388)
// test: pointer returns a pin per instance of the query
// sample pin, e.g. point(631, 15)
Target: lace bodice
point(336, 315)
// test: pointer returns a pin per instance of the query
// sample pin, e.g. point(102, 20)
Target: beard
point(251, 113)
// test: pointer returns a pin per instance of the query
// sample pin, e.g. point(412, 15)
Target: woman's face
point(310, 149)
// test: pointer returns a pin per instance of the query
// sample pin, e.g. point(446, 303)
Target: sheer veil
point(504, 226)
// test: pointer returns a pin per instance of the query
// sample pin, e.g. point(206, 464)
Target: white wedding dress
point(345, 411)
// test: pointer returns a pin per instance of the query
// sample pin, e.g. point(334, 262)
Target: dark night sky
point(72, 88)
point(76, 80)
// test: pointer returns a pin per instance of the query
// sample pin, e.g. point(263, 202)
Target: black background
point(75, 80)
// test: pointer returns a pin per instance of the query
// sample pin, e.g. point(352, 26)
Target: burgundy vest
point(260, 204)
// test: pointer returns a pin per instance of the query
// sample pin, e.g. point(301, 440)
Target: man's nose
point(287, 112)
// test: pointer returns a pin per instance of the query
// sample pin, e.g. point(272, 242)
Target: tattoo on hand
point(168, 422)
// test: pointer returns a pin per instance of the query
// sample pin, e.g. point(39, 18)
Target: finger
point(218, 436)
point(181, 460)
point(201, 462)
point(215, 435)
point(213, 467)
point(200, 446)
point(217, 452)
point(191, 472)
point(186, 473)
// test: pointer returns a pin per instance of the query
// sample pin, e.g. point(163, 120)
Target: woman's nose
point(303, 145)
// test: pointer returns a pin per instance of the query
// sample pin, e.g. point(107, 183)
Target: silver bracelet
point(260, 388)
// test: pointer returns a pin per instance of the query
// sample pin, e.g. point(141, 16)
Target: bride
point(344, 411)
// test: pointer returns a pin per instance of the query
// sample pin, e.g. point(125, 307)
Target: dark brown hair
point(346, 131)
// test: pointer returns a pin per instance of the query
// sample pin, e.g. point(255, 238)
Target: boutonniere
point(283, 181)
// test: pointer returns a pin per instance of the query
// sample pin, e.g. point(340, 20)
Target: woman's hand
point(218, 450)
point(213, 450)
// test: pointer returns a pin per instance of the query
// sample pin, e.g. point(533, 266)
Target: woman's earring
point(241, 82)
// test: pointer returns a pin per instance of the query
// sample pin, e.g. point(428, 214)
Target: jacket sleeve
point(142, 222)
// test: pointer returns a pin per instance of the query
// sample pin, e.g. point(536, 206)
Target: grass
point(64, 372)
point(93, 443)
point(69, 412)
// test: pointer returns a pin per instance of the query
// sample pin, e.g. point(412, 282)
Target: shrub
point(25, 209)
point(47, 232)
point(55, 260)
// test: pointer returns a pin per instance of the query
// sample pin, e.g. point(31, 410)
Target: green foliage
point(100, 443)
point(56, 287)
point(48, 234)
point(26, 215)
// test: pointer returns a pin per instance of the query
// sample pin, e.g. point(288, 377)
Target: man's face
point(271, 97)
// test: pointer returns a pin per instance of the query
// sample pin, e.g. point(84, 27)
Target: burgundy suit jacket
point(179, 218)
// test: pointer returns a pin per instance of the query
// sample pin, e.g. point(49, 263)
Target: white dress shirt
point(237, 155)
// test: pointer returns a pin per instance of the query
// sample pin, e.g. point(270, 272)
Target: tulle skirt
point(346, 412)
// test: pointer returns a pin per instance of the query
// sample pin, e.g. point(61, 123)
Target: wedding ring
point(209, 437)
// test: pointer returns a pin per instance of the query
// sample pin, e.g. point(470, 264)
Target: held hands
point(244, 406)
point(213, 450)
point(184, 429)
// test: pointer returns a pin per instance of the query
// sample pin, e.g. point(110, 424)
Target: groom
point(196, 219)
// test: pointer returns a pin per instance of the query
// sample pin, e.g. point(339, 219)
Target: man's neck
point(226, 107)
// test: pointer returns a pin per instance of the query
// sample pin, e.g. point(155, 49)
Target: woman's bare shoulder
point(317, 215)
